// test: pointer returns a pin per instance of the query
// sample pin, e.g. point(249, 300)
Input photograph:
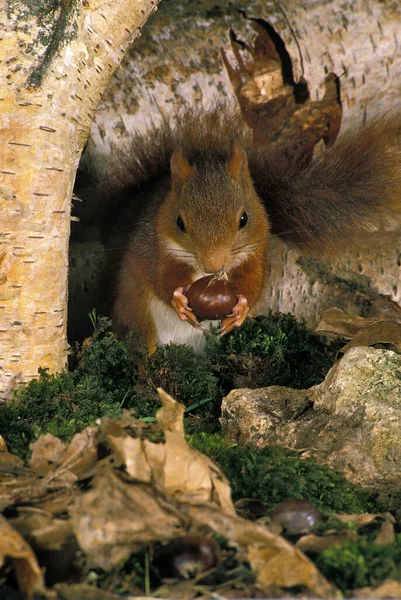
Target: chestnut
point(212, 297)
point(296, 516)
point(187, 556)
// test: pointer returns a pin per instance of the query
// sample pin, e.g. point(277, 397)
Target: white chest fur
point(170, 328)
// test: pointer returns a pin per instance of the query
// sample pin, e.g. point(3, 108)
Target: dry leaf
point(115, 514)
point(17, 483)
point(115, 517)
point(23, 560)
point(336, 322)
point(129, 451)
point(144, 492)
point(361, 332)
point(315, 543)
point(41, 527)
point(81, 454)
point(276, 563)
point(382, 332)
point(189, 475)
point(47, 453)
point(360, 520)
point(11, 464)
point(388, 589)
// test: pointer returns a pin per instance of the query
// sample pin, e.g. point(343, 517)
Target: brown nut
point(212, 297)
point(297, 517)
point(187, 556)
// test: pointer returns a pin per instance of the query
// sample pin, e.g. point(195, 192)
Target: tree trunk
point(56, 60)
point(177, 60)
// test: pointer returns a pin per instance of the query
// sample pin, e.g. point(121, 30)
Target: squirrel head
point(212, 218)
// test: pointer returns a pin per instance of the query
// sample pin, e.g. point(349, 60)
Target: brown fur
point(345, 192)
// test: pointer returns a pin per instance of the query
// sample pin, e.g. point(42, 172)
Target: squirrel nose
point(213, 262)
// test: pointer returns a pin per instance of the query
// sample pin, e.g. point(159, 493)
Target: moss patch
point(361, 563)
point(272, 350)
point(108, 377)
point(274, 474)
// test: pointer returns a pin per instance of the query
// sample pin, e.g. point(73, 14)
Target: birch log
point(56, 59)
point(178, 61)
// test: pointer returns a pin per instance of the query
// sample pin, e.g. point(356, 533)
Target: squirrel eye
point(180, 224)
point(243, 220)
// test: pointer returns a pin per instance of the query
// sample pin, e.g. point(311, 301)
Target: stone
point(351, 422)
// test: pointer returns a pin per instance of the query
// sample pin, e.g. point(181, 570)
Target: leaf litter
point(123, 487)
point(113, 491)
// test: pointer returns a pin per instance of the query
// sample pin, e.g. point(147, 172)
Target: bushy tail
point(349, 189)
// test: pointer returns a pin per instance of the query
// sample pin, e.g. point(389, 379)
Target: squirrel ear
point(181, 170)
point(238, 162)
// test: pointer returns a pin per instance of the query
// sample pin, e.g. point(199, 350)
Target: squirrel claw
point(236, 317)
point(181, 307)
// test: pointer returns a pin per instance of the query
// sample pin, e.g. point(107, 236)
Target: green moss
point(60, 404)
point(361, 563)
point(184, 374)
point(109, 376)
point(274, 474)
point(271, 350)
point(64, 404)
point(109, 359)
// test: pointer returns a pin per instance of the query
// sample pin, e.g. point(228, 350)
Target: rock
point(350, 422)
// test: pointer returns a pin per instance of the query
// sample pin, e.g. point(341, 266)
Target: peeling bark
point(178, 58)
point(56, 59)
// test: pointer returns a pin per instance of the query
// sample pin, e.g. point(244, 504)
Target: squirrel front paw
point(236, 317)
point(181, 307)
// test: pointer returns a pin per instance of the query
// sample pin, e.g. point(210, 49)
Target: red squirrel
point(194, 196)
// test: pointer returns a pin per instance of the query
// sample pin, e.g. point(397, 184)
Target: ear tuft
point(238, 163)
point(181, 170)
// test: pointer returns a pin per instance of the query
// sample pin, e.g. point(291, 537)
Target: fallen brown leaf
point(382, 332)
point(335, 321)
point(276, 563)
point(140, 493)
point(47, 453)
point(362, 519)
point(41, 527)
point(23, 559)
point(188, 474)
point(116, 517)
point(314, 543)
point(361, 331)
point(388, 589)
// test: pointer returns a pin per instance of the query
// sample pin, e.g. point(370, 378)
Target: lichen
point(54, 23)
point(324, 273)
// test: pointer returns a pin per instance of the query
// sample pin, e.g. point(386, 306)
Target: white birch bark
point(55, 62)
